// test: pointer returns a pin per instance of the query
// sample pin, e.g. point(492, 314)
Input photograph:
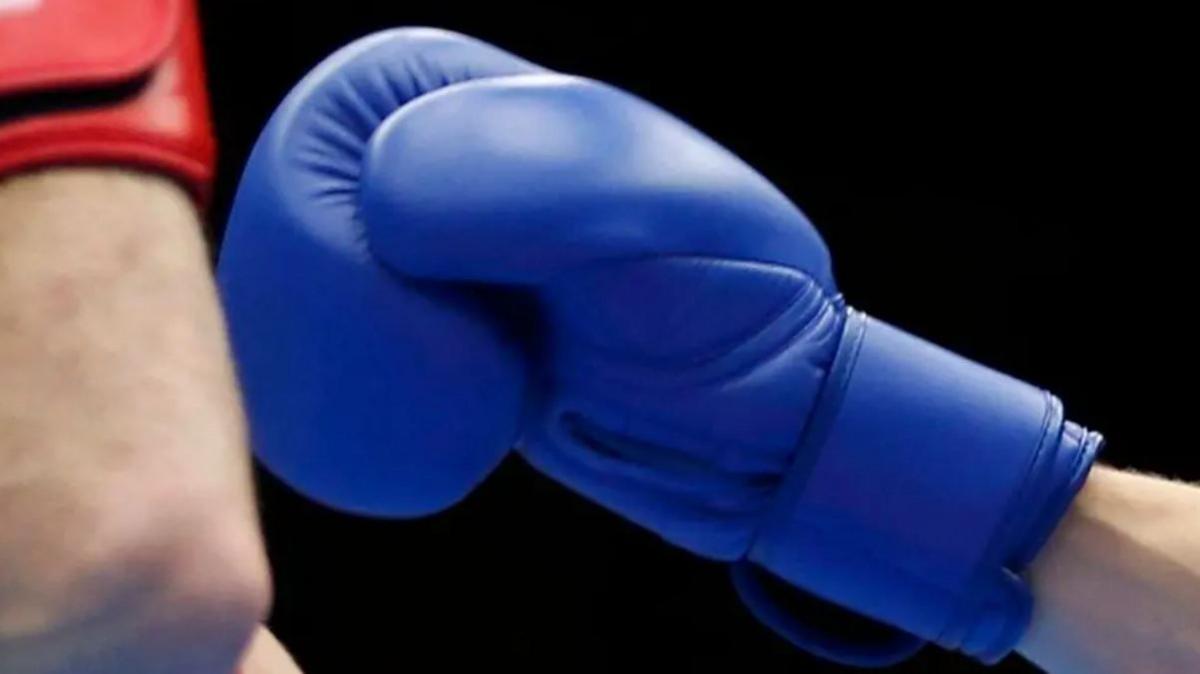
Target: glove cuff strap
point(924, 486)
point(113, 83)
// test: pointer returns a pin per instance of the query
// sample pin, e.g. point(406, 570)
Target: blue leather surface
point(439, 250)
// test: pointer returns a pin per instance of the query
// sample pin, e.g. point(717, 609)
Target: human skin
point(1118, 585)
point(129, 540)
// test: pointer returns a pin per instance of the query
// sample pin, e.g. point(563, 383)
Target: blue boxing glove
point(439, 250)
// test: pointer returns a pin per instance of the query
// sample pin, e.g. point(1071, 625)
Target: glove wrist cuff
point(113, 83)
point(924, 486)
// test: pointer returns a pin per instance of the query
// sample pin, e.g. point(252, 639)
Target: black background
point(996, 184)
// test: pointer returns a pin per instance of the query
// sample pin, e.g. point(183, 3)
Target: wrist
point(143, 594)
point(120, 433)
point(1124, 563)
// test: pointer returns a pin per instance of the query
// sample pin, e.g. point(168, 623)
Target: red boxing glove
point(105, 82)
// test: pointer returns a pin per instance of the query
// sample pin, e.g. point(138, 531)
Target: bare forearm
point(267, 656)
point(1119, 584)
point(128, 535)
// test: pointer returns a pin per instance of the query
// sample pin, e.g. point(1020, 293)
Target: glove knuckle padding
point(564, 172)
point(352, 400)
point(687, 360)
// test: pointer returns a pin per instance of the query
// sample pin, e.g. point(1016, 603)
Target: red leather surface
point(165, 127)
point(55, 43)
